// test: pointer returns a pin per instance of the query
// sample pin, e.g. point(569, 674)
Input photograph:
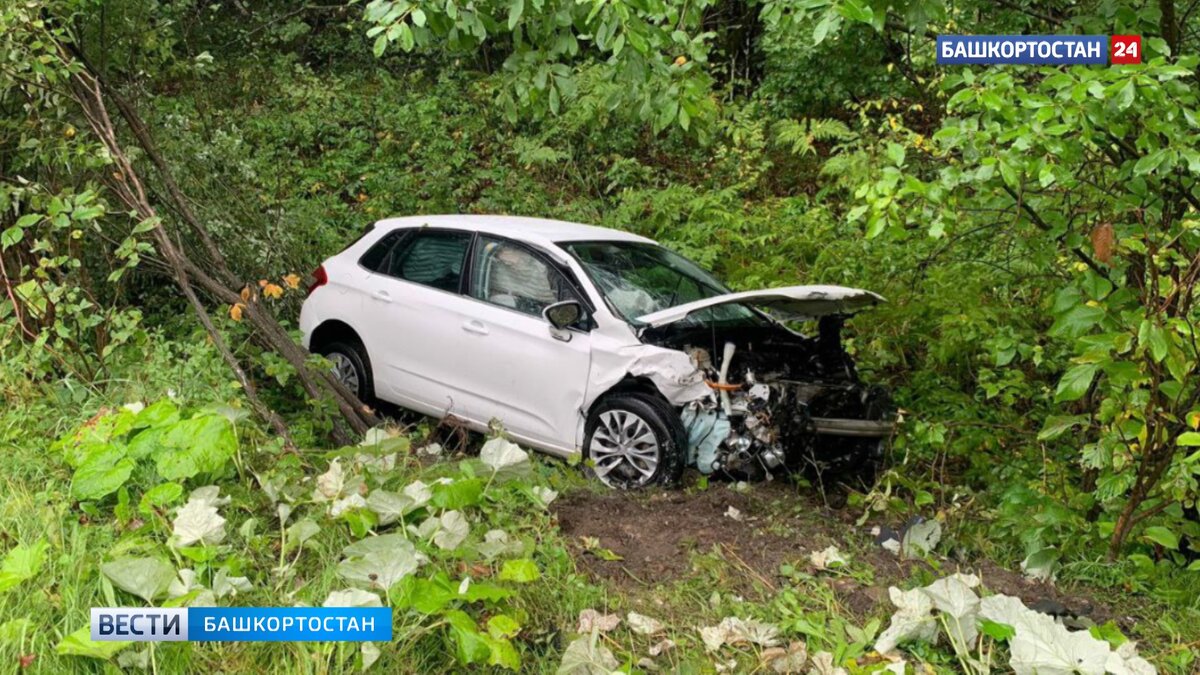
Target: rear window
point(431, 258)
point(375, 256)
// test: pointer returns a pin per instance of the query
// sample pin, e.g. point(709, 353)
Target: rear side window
point(376, 256)
point(432, 259)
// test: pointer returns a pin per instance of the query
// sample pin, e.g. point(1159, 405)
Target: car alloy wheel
point(344, 371)
point(624, 450)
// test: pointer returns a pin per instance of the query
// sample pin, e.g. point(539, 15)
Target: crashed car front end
point(755, 397)
point(779, 401)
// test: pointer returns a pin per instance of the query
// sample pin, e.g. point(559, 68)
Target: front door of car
point(413, 314)
point(529, 375)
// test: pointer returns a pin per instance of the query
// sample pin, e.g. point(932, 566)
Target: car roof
point(534, 230)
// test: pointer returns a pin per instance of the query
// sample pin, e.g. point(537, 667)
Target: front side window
point(431, 258)
point(512, 276)
point(638, 278)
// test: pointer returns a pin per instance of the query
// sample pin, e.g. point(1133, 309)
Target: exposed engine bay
point(781, 402)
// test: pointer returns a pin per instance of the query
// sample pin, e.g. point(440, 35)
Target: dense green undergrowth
point(1034, 230)
point(464, 549)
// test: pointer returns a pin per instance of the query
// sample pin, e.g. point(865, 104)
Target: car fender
point(672, 372)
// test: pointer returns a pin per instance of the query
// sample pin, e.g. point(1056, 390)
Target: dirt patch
point(658, 533)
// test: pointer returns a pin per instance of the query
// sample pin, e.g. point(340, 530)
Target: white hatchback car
point(581, 339)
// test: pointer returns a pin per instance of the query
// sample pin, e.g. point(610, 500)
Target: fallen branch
point(214, 278)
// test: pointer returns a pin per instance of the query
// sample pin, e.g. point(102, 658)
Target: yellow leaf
point(235, 312)
point(262, 283)
point(292, 280)
point(1193, 419)
point(273, 291)
point(680, 60)
point(246, 294)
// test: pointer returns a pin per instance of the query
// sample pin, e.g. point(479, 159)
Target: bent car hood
point(791, 302)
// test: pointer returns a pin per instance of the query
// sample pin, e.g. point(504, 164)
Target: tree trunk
point(1169, 25)
point(1150, 472)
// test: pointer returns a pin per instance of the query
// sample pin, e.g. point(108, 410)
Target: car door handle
point(474, 326)
point(382, 296)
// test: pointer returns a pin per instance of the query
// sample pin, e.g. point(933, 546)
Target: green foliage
point(1100, 173)
point(1033, 229)
point(654, 51)
point(63, 256)
point(107, 450)
point(21, 563)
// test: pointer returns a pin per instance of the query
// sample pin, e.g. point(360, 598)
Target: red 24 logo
point(1126, 49)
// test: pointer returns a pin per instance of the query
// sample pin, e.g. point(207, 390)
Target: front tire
point(351, 367)
point(634, 440)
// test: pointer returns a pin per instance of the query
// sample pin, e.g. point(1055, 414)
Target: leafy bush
point(156, 441)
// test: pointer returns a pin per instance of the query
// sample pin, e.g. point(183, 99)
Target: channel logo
point(1044, 50)
point(242, 624)
point(139, 624)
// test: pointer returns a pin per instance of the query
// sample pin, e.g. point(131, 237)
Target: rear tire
point(635, 440)
point(351, 367)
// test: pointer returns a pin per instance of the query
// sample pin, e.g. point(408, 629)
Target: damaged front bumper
point(787, 427)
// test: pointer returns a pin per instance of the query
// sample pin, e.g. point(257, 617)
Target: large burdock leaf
point(520, 570)
point(225, 585)
point(202, 444)
point(147, 578)
point(300, 532)
point(370, 654)
point(1040, 564)
point(447, 530)
point(1125, 661)
point(331, 483)
point(497, 543)
point(347, 503)
point(187, 584)
point(585, 656)
point(102, 474)
point(390, 506)
point(198, 521)
point(954, 598)
point(379, 562)
point(21, 563)
point(505, 458)
point(733, 630)
point(921, 538)
point(80, 643)
point(419, 492)
point(1040, 646)
point(913, 620)
point(544, 494)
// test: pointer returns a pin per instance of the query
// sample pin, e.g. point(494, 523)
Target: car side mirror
point(563, 314)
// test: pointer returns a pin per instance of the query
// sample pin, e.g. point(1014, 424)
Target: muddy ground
point(658, 535)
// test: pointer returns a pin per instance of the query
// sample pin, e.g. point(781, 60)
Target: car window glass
point(431, 258)
point(512, 276)
point(374, 258)
point(638, 279)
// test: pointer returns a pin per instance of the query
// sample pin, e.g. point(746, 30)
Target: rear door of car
point(413, 322)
